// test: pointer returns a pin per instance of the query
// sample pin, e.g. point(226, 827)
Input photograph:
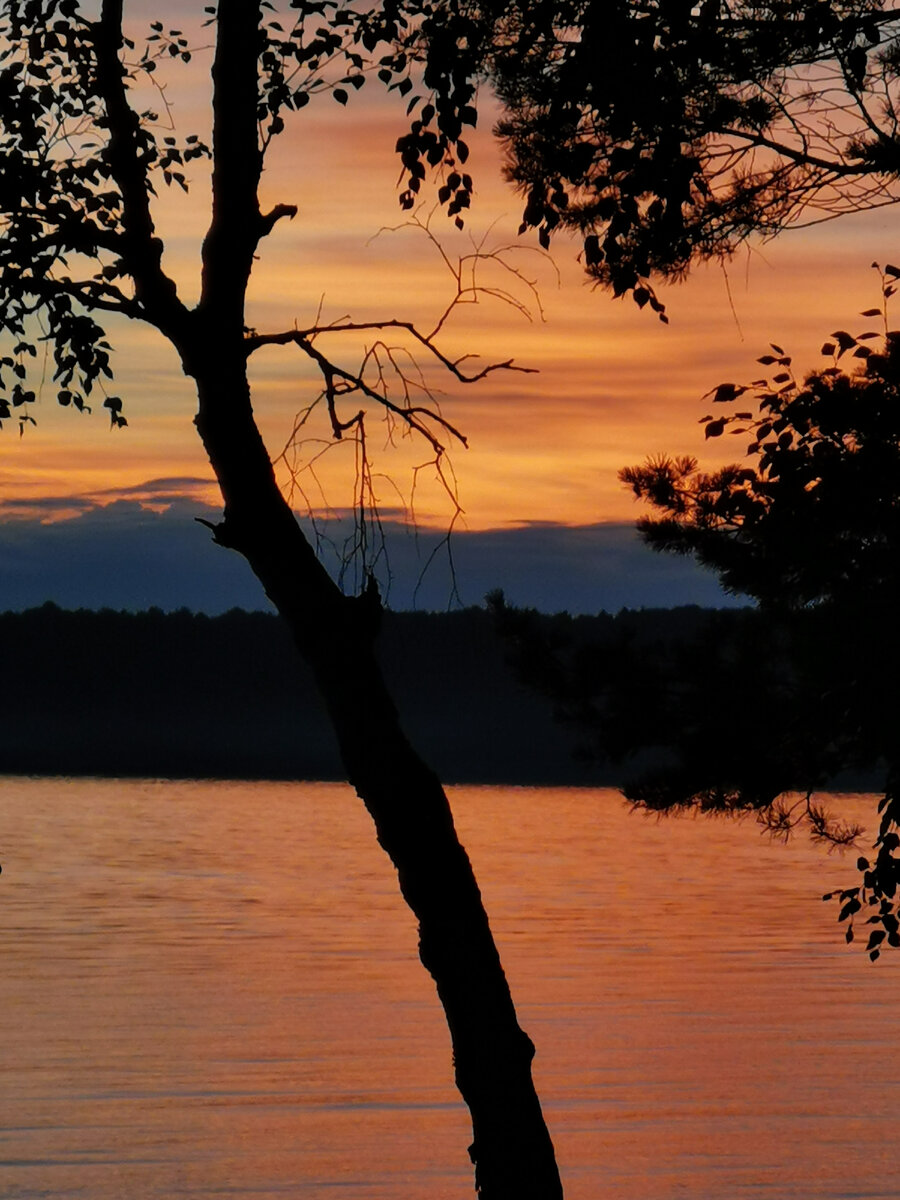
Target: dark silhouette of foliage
point(812, 532)
point(726, 712)
point(665, 131)
point(731, 712)
point(723, 710)
point(828, 463)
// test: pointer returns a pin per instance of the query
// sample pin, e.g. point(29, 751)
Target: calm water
point(211, 990)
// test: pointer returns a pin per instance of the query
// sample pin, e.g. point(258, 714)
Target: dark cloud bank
point(122, 556)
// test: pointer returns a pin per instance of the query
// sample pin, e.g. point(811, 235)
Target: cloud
point(171, 484)
point(14, 507)
point(159, 493)
point(124, 556)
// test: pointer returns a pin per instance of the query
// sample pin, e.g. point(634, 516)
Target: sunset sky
point(612, 384)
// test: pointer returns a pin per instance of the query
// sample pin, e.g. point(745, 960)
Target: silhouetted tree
point(648, 190)
point(728, 711)
point(81, 169)
point(811, 530)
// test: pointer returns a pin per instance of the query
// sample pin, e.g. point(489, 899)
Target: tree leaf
point(844, 339)
point(726, 392)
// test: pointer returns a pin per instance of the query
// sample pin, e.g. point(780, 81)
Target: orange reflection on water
point(215, 986)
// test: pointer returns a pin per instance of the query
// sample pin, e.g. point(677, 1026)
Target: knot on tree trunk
point(221, 532)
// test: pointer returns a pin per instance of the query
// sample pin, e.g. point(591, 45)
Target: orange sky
point(613, 385)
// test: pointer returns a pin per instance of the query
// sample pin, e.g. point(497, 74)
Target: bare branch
point(415, 417)
point(304, 337)
point(464, 271)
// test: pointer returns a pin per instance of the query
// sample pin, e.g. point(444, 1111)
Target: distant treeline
point(186, 695)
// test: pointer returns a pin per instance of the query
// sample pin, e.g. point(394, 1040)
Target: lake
point(211, 990)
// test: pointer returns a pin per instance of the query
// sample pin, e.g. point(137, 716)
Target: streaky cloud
point(166, 483)
point(14, 506)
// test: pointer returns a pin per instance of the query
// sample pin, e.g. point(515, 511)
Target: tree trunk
point(511, 1149)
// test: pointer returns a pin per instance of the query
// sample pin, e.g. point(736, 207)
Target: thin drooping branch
point(412, 415)
point(783, 817)
point(468, 289)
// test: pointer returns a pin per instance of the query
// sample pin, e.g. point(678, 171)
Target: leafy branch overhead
point(657, 133)
point(83, 168)
point(71, 210)
point(665, 132)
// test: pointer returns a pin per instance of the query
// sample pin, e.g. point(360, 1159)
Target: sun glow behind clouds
point(613, 385)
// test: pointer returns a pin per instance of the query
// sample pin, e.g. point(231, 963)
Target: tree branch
point(141, 250)
point(303, 339)
point(799, 156)
point(75, 233)
point(269, 220)
point(90, 293)
point(93, 294)
point(411, 415)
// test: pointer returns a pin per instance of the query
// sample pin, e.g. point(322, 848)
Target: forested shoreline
point(184, 695)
